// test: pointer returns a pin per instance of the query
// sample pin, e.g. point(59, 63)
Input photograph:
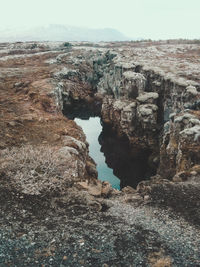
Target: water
point(92, 129)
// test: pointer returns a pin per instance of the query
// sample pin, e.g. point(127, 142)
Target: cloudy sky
point(155, 19)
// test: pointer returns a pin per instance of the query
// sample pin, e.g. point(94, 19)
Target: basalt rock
point(142, 106)
point(140, 103)
point(133, 84)
point(180, 149)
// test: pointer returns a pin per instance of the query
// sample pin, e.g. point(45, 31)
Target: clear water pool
point(92, 129)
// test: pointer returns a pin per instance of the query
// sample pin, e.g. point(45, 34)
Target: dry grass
point(164, 262)
point(29, 160)
point(30, 167)
point(157, 259)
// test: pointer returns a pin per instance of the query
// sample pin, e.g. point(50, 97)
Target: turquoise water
point(92, 129)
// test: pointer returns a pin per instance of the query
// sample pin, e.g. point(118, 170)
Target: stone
point(130, 107)
point(19, 84)
point(65, 73)
point(12, 123)
point(149, 97)
point(191, 90)
point(106, 188)
point(56, 137)
point(134, 84)
point(91, 169)
point(71, 141)
point(157, 83)
point(182, 176)
point(128, 190)
point(135, 198)
point(119, 105)
point(147, 115)
point(116, 192)
point(66, 151)
point(131, 75)
point(147, 199)
point(146, 109)
point(193, 132)
point(83, 185)
point(93, 189)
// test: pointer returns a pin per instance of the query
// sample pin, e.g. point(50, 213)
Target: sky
point(155, 19)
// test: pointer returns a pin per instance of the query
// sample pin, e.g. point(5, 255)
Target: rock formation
point(151, 110)
point(148, 95)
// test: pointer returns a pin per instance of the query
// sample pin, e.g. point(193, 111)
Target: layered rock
point(140, 106)
point(180, 147)
point(137, 102)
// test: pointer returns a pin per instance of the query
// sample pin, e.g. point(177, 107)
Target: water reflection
point(130, 164)
point(92, 129)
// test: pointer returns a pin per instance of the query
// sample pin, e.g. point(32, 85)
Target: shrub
point(67, 44)
point(30, 169)
point(33, 46)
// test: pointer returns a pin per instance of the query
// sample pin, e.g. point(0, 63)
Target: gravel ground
point(180, 239)
point(122, 234)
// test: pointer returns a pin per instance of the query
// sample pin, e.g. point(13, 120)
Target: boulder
point(106, 188)
point(148, 98)
point(133, 84)
point(93, 189)
point(147, 115)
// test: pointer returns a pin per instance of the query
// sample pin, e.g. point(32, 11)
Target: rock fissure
point(141, 105)
point(54, 210)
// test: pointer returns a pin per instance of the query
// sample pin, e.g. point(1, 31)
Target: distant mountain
point(56, 32)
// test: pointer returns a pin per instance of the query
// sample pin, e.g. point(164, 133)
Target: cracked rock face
point(133, 84)
point(149, 98)
point(142, 105)
point(180, 147)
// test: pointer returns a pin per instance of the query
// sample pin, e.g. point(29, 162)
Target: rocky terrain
point(54, 211)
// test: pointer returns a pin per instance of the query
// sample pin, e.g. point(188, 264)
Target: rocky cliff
point(157, 112)
point(152, 110)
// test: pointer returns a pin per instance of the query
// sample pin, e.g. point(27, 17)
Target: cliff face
point(152, 110)
point(157, 111)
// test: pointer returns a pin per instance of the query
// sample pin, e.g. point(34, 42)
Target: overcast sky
point(155, 19)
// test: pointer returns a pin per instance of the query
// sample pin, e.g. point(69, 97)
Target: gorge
point(54, 209)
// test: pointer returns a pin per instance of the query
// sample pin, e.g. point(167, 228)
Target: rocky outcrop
point(133, 84)
point(129, 118)
point(180, 147)
point(138, 103)
point(141, 105)
point(129, 109)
